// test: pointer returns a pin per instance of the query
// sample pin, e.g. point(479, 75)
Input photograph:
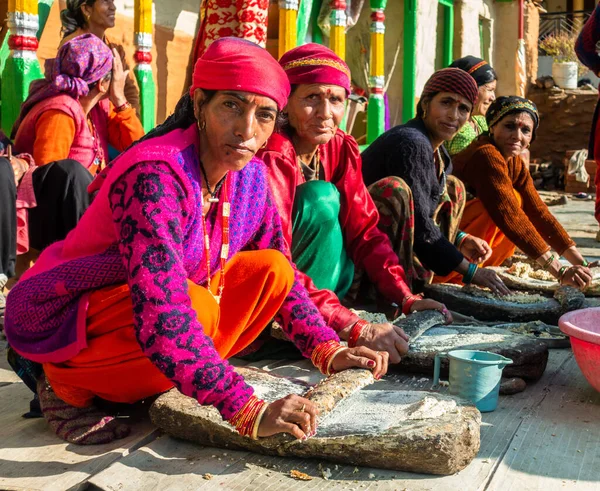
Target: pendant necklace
point(225, 212)
point(213, 194)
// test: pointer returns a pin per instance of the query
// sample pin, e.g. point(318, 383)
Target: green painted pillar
point(448, 27)
point(22, 66)
point(376, 107)
point(305, 11)
point(409, 75)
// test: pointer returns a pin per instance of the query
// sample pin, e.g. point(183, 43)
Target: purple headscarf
point(81, 61)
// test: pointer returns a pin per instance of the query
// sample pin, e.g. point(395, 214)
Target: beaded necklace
point(225, 211)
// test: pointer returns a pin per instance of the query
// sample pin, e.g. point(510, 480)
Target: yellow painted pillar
point(288, 17)
point(142, 20)
point(338, 22)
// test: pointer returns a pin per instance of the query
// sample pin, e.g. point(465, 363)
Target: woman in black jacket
point(408, 171)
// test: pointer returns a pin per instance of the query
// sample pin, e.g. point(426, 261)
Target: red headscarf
point(452, 80)
point(236, 64)
point(315, 64)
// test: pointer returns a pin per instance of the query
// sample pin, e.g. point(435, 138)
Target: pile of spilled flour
point(373, 412)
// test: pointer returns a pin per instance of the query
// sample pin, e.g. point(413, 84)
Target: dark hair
point(420, 110)
point(106, 77)
point(72, 17)
point(182, 118)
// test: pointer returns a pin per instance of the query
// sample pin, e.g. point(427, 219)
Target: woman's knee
point(71, 170)
point(323, 199)
point(275, 263)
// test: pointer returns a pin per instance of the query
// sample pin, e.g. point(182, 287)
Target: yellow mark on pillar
point(27, 6)
point(337, 40)
point(377, 57)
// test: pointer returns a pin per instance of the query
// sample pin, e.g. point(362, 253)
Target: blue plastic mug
point(474, 375)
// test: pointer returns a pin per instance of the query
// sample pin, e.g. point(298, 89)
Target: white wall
point(467, 14)
point(466, 33)
point(426, 41)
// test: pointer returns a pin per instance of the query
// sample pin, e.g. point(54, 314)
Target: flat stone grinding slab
point(471, 301)
point(542, 285)
point(529, 355)
point(359, 424)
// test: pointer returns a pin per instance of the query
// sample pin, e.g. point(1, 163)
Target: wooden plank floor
point(520, 422)
point(33, 458)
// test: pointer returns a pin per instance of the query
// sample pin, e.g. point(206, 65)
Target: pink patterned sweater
point(144, 228)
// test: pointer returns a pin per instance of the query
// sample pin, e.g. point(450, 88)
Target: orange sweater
point(492, 179)
point(55, 132)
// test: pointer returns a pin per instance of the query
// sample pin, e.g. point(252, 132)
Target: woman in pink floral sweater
point(178, 264)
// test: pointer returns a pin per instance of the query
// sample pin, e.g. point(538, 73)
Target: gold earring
point(424, 113)
point(201, 125)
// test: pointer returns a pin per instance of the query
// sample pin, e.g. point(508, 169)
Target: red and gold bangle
point(408, 302)
point(247, 419)
point(323, 355)
point(122, 107)
point(356, 331)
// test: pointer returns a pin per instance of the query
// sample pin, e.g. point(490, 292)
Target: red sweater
point(492, 179)
point(368, 247)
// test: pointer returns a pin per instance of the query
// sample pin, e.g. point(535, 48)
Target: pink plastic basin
point(583, 327)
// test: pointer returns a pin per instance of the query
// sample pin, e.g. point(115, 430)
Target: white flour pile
point(514, 297)
point(524, 270)
point(372, 412)
point(444, 339)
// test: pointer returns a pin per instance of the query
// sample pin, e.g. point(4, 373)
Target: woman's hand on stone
point(117, 83)
point(577, 276)
point(489, 279)
point(362, 357)
point(429, 304)
point(475, 249)
point(385, 337)
point(292, 414)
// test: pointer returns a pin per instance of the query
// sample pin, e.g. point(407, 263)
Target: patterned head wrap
point(236, 64)
point(451, 80)
point(503, 106)
point(479, 69)
point(80, 62)
point(315, 64)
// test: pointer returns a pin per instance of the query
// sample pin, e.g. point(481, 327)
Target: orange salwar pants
point(113, 365)
point(476, 221)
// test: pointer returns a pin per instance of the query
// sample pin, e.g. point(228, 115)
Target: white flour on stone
point(443, 339)
point(372, 412)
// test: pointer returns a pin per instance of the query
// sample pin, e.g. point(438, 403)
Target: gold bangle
point(258, 420)
point(333, 355)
